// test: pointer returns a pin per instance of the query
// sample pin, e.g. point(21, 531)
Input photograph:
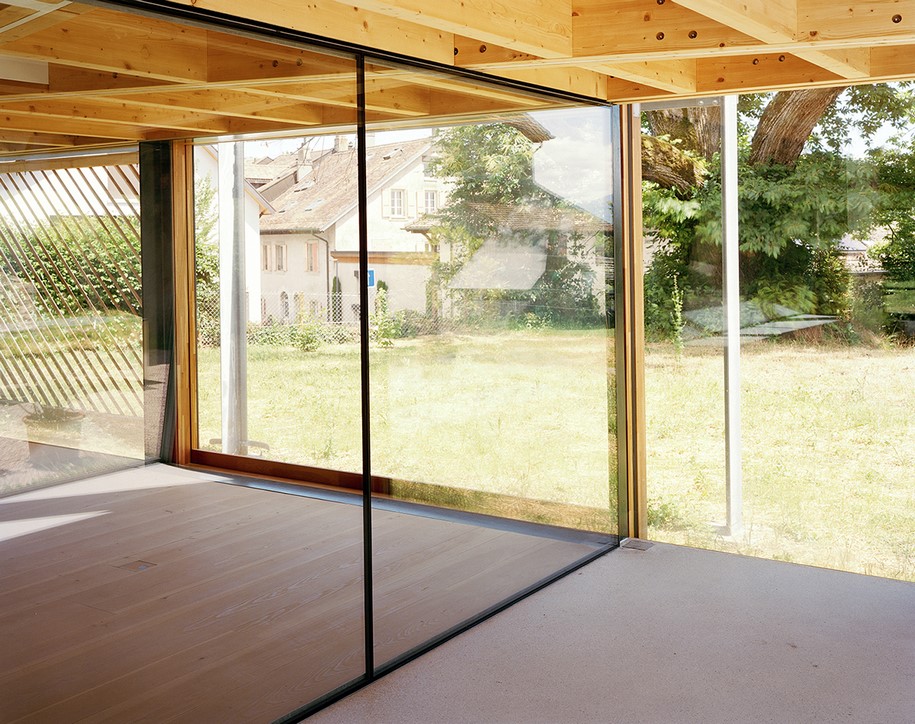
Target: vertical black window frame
point(368, 592)
point(157, 259)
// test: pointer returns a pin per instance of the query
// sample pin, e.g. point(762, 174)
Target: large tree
point(495, 198)
point(798, 194)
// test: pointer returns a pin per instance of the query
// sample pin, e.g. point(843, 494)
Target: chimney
point(341, 144)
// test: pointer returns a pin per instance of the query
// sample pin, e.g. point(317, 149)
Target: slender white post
point(731, 280)
point(232, 313)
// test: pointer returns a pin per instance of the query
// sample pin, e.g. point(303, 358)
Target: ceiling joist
point(73, 74)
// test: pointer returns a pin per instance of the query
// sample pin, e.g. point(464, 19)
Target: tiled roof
point(330, 190)
point(522, 217)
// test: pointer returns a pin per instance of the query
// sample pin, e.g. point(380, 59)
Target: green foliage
point(494, 196)
point(790, 220)
point(896, 212)
point(816, 202)
point(385, 327)
point(206, 261)
point(76, 265)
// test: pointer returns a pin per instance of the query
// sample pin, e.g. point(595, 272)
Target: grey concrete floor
point(670, 634)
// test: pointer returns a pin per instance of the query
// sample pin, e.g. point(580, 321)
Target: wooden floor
point(158, 595)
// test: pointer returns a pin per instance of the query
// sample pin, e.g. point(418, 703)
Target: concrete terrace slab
point(670, 634)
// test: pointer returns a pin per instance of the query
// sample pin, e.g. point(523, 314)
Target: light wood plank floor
point(159, 595)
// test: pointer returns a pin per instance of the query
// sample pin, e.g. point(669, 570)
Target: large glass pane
point(827, 371)
point(823, 376)
point(71, 372)
point(490, 296)
point(684, 326)
point(278, 375)
point(286, 388)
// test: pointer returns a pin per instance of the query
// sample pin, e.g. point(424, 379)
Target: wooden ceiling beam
point(846, 63)
point(772, 21)
point(865, 23)
point(472, 50)
point(753, 73)
point(581, 81)
point(68, 126)
point(540, 27)
point(674, 76)
point(115, 42)
point(114, 111)
point(230, 103)
point(345, 22)
point(31, 138)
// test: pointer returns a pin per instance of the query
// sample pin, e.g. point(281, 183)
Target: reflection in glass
point(71, 372)
point(490, 292)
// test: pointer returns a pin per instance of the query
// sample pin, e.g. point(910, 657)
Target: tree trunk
point(786, 124)
point(698, 128)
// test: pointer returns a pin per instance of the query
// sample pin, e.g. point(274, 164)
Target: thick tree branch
point(786, 124)
point(668, 166)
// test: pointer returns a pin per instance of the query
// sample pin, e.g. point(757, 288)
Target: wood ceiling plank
point(890, 63)
point(32, 138)
point(472, 50)
point(42, 21)
point(68, 126)
point(231, 103)
point(619, 90)
point(345, 22)
point(11, 14)
point(773, 21)
point(115, 42)
point(635, 26)
point(581, 81)
point(674, 76)
point(865, 21)
point(115, 111)
point(540, 27)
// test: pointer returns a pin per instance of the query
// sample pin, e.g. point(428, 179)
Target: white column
point(731, 281)
point(233, 320)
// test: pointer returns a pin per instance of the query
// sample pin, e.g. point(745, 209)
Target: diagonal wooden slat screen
point(70, 294)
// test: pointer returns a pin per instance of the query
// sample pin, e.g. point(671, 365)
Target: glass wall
point(480, 263)
point(399, 358)
point(490, 295)
point(823, 379)
point(684, 329)
point(71, 370)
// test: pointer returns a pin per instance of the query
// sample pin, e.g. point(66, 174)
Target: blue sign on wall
point(371, 279)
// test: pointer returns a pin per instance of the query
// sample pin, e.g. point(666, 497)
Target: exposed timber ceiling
point(73, 74)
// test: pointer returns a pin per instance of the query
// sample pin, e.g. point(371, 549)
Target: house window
point(398, 207)
point(284, 304)
point(430, 202)
point(280, 256)
point(311, 257)
point(265, 257)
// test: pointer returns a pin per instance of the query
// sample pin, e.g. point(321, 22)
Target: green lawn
point(828, 434)
point(828, 440)
point(516, 414)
